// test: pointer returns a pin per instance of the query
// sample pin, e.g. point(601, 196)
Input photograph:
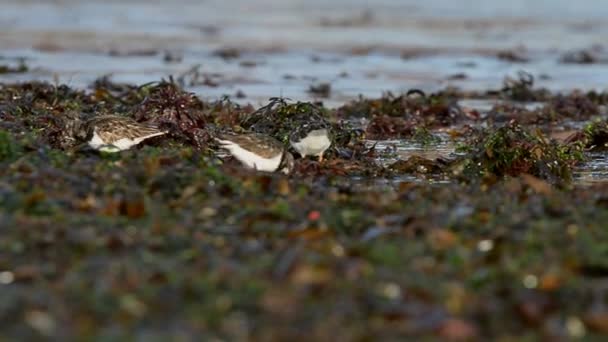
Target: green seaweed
point(512, 150)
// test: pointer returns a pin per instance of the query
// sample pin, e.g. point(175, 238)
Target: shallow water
point(352, 45)
point(594, 170)
point(393, 150)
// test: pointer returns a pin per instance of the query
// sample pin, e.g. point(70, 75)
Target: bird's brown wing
point(260, 144)
point(113, 128)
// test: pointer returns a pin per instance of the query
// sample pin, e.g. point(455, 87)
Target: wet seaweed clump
point(321, 90)
point(169, 106)
point(592, 55)
point(575, 106)
point(522, 89)
point(225, 113)
point(419, 166)
point(362, 166)
point(9, 69)
point(511, 150)
point(384, 126)
point(517, 55)
point(398, 116)
point(31, 99)
point(228, 53)
point(119, 97)
point(594, 136)
point(43, 109)
point(279, 118)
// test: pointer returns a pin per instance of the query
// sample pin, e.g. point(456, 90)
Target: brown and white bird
point(257, 151)
point(112, 133)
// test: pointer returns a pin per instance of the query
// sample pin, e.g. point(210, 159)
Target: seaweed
point(20, 68)
point(167, 241)
point(594, 136)
point(592, 55)
point(511, 150)
point(321, 90)
point(170, 106)
point(522, 88)
point(419, 165)
point(400, 116)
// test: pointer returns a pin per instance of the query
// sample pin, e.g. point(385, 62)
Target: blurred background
point(333, 51)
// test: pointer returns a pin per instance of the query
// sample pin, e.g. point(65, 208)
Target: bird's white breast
point(312, 145)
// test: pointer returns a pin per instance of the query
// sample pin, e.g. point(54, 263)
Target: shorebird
point(257, 151)
point(112, 133)
point(312, 138)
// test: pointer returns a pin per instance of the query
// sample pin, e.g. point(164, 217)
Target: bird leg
point(321, 157)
